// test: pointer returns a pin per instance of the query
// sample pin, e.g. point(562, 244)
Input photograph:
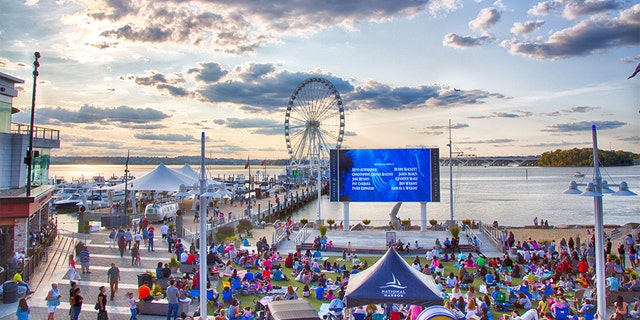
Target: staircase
point(57, 258)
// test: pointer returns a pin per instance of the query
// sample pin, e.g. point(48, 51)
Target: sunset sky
point(515, 77)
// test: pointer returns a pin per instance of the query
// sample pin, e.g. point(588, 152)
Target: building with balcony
point(22, 215)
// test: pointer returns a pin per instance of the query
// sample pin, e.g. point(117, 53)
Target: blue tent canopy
point(392, 280)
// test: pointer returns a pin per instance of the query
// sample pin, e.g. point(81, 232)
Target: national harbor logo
point(393, 288)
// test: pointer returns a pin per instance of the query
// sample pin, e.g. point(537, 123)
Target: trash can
point(10, 294)
point(145, 277)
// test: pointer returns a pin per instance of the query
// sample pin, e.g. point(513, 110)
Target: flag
point(264, 162)
point(246, 165)
point(635, 72)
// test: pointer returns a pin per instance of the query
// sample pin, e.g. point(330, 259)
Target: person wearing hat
point(588, 310)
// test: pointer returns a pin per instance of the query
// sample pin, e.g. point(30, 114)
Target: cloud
point(454, 126)
point(584, 38)
point(632, 139)
point(544, 8)
point(165, 137)
point(584, 126)
point(576, 8)
point(238, 26)
point(487, 17)
point(209, 72)
point(576, 109)
point(488, 141)
point(517, 114)
point(93, 114)
point(462, 42)
point(439, 130)
point(256, 125)
point(520, 28)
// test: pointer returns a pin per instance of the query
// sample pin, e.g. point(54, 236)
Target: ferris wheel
point(314, 123)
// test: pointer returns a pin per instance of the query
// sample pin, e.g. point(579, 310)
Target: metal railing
point(493, 234)
point(38, 132)
point(302, 234)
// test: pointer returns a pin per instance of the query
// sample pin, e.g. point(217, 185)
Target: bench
point(157, 307)
point(188, 268)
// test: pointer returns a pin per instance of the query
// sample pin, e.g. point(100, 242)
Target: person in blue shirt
point(23, 310)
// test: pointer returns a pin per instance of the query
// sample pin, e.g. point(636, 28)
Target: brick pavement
point(101, 258)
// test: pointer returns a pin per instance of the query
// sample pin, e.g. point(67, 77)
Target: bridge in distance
point(506, 161)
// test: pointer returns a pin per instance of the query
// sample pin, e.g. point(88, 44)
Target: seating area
point(156, 307)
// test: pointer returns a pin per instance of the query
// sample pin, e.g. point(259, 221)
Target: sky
point(513, 77)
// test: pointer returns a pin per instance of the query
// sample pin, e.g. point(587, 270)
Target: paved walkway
point(101, 258)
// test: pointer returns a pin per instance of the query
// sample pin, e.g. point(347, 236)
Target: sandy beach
point(556, 234)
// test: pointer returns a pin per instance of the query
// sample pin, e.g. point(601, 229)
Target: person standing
point(163, 231)
point(102, 303)
point(150, 236)
point(76, 303)
point(53, 300)
point(85, 259)
point(173, 296)
point(138, 238)
point(113, 276)
point(23, 310)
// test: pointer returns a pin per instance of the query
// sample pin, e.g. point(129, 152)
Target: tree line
point(584, 158)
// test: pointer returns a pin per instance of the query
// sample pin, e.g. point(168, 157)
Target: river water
point(509, 195)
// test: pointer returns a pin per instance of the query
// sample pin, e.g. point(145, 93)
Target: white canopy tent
point(160, 179)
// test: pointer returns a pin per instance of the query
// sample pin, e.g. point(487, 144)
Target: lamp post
point(595, 190)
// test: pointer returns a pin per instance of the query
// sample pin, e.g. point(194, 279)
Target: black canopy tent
point(392, 280)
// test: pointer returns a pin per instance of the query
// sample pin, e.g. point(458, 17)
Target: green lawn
point(449, 267)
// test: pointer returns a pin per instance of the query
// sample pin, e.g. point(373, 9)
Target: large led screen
point(385, 175)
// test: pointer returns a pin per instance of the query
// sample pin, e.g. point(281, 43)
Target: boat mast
point(450, 177)
point(126, 182)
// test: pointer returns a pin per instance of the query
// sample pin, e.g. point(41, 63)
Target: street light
point(595, 189)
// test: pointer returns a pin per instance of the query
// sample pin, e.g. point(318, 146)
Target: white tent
point(160, 179)
point(187, 171)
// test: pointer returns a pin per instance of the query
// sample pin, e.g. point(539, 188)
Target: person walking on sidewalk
point(23, 310)
point(132, 305)
point(101, 305)
point(122, 245)
point(112, 238)
point(73, 272)
point(76, 303)
point(128, 237)
point(85, 259)
point(113, 276)
point(135, 252)
point(53, 300)
point(150, 246)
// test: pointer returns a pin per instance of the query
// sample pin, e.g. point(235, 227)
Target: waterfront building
point(22, 215)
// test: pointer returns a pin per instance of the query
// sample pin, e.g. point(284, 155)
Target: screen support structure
point(345, 213)
point(423, 216)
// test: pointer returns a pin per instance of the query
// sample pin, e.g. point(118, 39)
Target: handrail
point(493, 234)
point(302, 235)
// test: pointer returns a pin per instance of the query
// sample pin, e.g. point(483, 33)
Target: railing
point(493, 234)
point(470, 235)
point(302, 235)
point(38, 132)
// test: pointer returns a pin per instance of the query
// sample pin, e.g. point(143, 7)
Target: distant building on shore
point(22, 215)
